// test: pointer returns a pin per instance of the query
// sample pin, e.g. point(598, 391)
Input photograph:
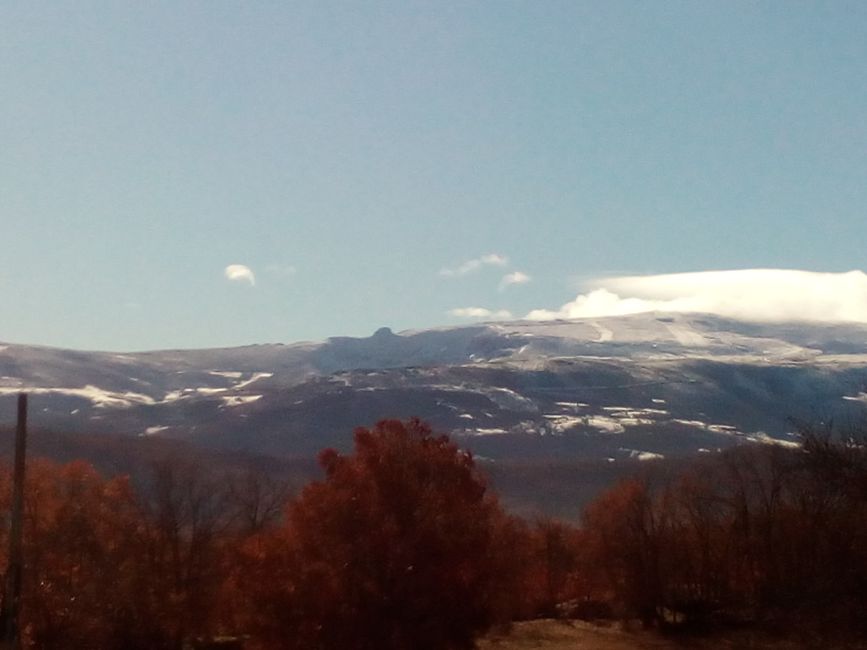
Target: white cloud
point(480, 313)
point(491, 259)
point(516, 277)
point(240, 273)
point(751, 294)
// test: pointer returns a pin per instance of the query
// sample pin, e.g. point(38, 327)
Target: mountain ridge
point(641, 386)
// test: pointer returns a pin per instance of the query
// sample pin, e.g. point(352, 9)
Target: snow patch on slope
point(508, 399)
point(239, 400)
point(229, 374)
point(256, 377)
point(605, 423)
point(605, 334)
point(99, 397)
point(562, 423)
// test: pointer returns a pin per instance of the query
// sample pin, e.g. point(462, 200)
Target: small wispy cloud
point(750, 294)
point(240, 273)
point(491, 259)
point(513, 278)
point(480, 313)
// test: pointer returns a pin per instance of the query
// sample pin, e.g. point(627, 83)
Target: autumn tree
point(188, 514)
point(553, 576)
point(764, 534)
point(83, 573)
point(627, 529)
point(107, 566)
point(398, 547)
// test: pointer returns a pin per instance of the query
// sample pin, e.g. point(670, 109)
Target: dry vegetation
point(402, 546)
point(550, 634)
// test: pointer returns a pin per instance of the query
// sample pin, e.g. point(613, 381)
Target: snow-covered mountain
point(638, 386)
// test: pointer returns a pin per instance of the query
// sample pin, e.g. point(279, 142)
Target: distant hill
point(610, 388)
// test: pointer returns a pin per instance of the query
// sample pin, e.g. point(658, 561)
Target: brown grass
point(577, 635)
point(568, 635)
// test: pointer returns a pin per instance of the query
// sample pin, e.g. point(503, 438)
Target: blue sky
point(354, 156)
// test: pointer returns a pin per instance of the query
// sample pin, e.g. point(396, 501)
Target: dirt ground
point(563, 635)
point(577, 635)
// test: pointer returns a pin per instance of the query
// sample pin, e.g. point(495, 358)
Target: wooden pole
point(12, 593)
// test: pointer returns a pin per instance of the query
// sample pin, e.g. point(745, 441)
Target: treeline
point(762, 535)
point(113, 564)
point(402, 546)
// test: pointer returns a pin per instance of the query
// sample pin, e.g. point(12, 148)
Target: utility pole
point(9, 638)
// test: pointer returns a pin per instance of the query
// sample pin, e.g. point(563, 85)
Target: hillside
point(607, 389)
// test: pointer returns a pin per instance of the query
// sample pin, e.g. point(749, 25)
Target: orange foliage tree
point(83, 573)
point(109, 567)
point(400, 546)
point(762, 534)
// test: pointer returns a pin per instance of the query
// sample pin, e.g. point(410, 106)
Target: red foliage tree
point(399, 547)
point(83, 573)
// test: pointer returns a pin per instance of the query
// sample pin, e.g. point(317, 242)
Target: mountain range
point(631, 387)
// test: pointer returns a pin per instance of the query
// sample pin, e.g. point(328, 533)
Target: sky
point(213, 173)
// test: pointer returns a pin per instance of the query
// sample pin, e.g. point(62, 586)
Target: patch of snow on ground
point(572, 405)
point(639, 454)
point(860, 397)
point(656, 400)
point(529, 427)
point(210, 391)
point(488, 432)
point(713, 428)
point(690, 423)
point(605, 423)
point(256, 377)
point(765, 439)
point(466, 416)
point(152, 430)
point(632, 417)
point(562, 423)
point(99, 397)
point(229, 374)
point(509, 400)
point(634, 422)
point(605, 334)
point(238, 400)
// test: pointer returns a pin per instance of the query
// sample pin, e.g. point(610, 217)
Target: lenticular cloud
point(749, 294)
